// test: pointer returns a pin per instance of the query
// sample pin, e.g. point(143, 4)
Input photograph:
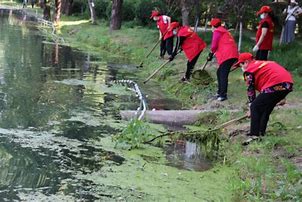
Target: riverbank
point(267, 170)
point(66, 96)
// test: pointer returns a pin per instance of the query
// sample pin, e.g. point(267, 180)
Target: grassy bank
point(269, 170)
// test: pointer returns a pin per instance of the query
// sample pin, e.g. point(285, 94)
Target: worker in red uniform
point(190, 43)
point(226, 52)
point(265, 33)
point(166, 37)
point(272, 81)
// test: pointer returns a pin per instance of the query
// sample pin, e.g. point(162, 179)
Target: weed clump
point(134, 135)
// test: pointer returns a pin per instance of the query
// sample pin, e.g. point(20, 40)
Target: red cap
point(242, 58)
point(154, 13)
point(215, 22)
point(264, 9)
point(173, 25)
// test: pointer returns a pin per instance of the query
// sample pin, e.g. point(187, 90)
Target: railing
point(50, 24)
point(46, 23)
point(143, 106)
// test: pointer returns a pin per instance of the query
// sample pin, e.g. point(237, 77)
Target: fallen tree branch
point(163, 135)
point(191, 133)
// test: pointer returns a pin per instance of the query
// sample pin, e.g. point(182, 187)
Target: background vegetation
point(265, 171)
point(137, 12)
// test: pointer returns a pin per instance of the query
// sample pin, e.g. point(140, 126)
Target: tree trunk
point(42, 3)
point(240, 35)
point(57, 11)
point(55, 54)
point(46, 12)
point(91, 5)
point(197, 14)
point(185, 11)
point(206, 26)
point(116, 15)
point(66, 6)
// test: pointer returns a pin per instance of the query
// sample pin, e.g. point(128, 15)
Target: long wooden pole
point(141, 64)
point(204, 66)
point(230, 122)
point(157, 70)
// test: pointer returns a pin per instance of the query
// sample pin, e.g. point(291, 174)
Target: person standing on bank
point(265, 33)
point(24, 5)
point(272, 81)
point(32, 3)
point(291, 12)
point(190, 43)
point(224, 48)
point(166, 37)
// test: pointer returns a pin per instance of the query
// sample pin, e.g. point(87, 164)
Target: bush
point(103, 9)
point(288, 56)
point(79, 7)
point(129, 10)
point(144, 8)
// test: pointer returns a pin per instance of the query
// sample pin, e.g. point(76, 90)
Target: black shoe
point(261, 133)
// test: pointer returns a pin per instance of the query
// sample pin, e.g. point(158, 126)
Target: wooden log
point(168, 117)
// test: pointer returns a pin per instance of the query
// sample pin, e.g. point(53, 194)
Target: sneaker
point(184, 80)
point(221, 98)
point(250, 139)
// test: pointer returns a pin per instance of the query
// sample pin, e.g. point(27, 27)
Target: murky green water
point(57, 115)
point(53, 102)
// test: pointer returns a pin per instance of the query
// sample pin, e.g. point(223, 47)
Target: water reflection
point(32, 97)
point(22, 167)
point(54, 102)
point(187, 155)
point(51, 105)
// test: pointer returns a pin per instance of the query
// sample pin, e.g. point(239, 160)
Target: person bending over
point(272, 81)
point(190, 43)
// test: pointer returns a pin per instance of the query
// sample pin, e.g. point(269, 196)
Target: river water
point(55, 103)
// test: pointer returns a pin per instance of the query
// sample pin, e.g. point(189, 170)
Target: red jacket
point(193, 44)
point(227, 48)
point(163, 28)
point(268, 74)
point(267, 43)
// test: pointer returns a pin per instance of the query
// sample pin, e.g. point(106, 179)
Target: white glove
point(256, 48)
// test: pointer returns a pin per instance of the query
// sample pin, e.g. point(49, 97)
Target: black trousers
point(223, 75)
point(190, 66)
point(262, 55)
point(166, 46)
point(261, 108)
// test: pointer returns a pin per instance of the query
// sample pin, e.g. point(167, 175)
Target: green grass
point(264, 170)
point(8, 3)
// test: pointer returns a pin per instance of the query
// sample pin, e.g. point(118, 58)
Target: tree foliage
point(185, 11)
